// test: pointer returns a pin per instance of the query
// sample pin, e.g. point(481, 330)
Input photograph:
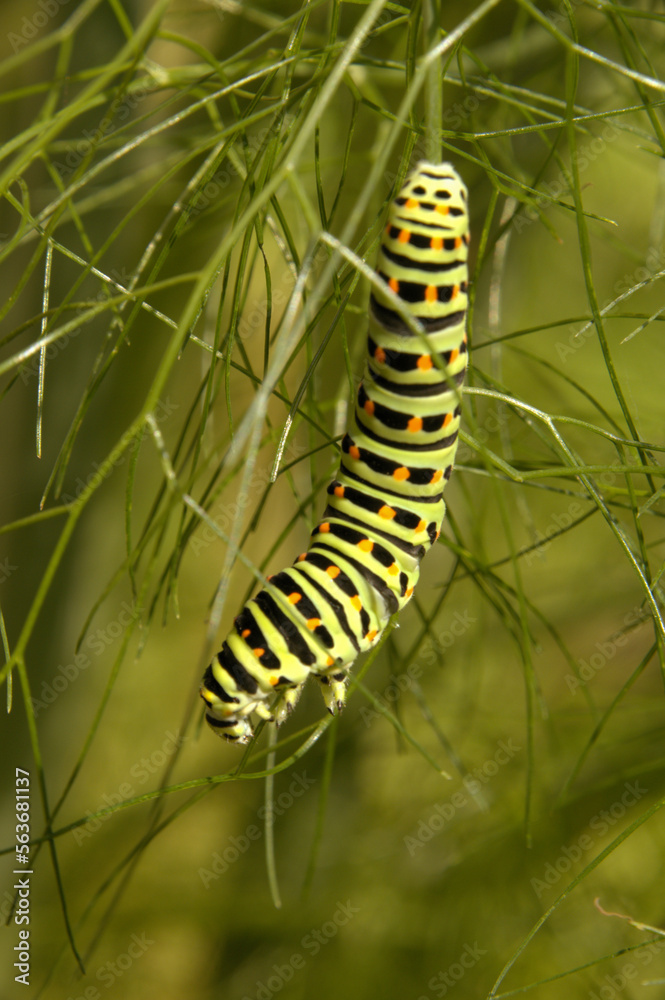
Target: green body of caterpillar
point(385, 507)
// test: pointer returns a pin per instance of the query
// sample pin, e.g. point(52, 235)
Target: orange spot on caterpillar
point(421, 526)
point(404, 236)
point(431, 293)
point(368, 407)
point(401, 473)
point(436, 243)
point(313, 623)
point(366, 544)
point(436, 476)
point(339, 491)
point(333, 571)
point(442, 209)
point(324, 528)
point(447, 419)
point(357, 603)
point(354, 451)
point(273, 680)
point(412, 203)
point(424, 362)
point(371, 636)
point(458, 242)
point(393, 284)
point(394, 569)
point(329, 661)
point(409, 592)
point(454, 355)
point(258, 652)
point(245, 632)
point(294, 598)
point(415, 424)
point(380, 355)
point(387, 512)
point(303, 555)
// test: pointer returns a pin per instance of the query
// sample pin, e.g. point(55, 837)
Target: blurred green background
point(167, 172)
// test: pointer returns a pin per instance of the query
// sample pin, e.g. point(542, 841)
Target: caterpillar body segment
point(385, 505)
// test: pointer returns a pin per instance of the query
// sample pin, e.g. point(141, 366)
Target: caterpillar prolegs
point(385, 506)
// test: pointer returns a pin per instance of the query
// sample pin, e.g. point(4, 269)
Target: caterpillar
point(385, 505)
